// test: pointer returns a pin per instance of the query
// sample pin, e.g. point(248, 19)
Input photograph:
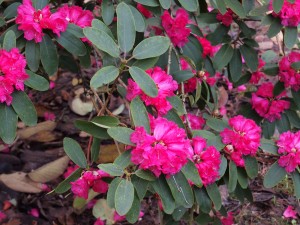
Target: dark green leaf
point(271, 69)
point(145, 174)
point(139, 114)
point(9, 41)
point(278, 88)
point(223, 56)
point(290, 36)
point(216, 124)
point(251, 166)
point(173, 116)
point(165, 4)
point(139, 21)
point(223, 167)
point(141, 186)
point(259, 11)
point(9, 120)
point(65, 185)
point(95, 149)
point(124, 159)
point(75, 153)
point(151, 47)
point(105, 121)
point(111, 192)
point(190, 171)
point(207, 18)
point(104, 76)
point(221, 6)
point(269, 146)
point(124, 197)
point(121, 134)
point(144, 81)
point(203, 200)
point(235, 66)
point(182, 75)
point(126, 27)
point(236, 7)
point(296, 181)
point(92, 129)
point(215, 196)
point(11, 10)
point(177, 104)
point(283, 124)
point(39, 4)
point(275, 174)
point(191, 5)
point(102, 41)
point(107, 11)
point(233, 176)
point(268, 129)
point(242, 177)
point(145, 63)
point(277, 5)
point(36, 82)
point(275, 27)
point(112, 169)
point(296, 97)
point(293, 118)
point(49, 55)
point(251, 57)
point(24, 107)
point(248, 5)
point(152, 3)
point(71, 43)
point(133, 215)
point(75, 30)
point(33, 57)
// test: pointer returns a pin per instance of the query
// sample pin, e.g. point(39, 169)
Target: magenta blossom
point(289, 212)
point(226, 18)
point(289, 13)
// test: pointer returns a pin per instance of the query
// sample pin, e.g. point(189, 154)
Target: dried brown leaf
point(30, 131)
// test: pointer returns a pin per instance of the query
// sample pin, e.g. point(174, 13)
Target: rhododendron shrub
point(174, 67)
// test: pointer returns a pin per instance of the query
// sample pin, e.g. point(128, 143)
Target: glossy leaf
point(277, 5)
point(74, 151)
point(139, 21)
point(104, 76)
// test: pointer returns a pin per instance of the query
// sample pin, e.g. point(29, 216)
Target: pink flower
point(289, 150)
point(257, 75)
point(2, 216)
point(34, 212)
point(49, 116)
point(176, 27)
point(166, 87)
point(289, 13)
point(99, 221)
point(289, 76)
point(241, 88)
point(207, 48)
point(289, 212)
point(207, 161)
point(118, 218)
point(229, 220)
point(227, 18)
point(144, 11)
point(70, 170)
point(100, 186)
point(52, 85)
point(80, 188)
point(266, 104)
point(197, 122)
point(242, 139)
point(12, 67)
point(165, 150)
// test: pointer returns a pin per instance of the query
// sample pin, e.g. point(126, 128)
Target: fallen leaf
point(30, 131)
point(102, 210)
point(50, 171)
point(44, 136)
point(108, 153)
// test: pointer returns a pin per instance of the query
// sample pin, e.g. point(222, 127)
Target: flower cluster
point(144, 11)
point(92, 179)
point(13, 74)
point(289, 150)
point(289, 13)
point(166, 87)
point(176, 27)
point(289, 76)
point(242, 139)
point(226, 18)
point(266, 104)
point(165, 150)
point(33, 22)
point(207, 161)
point(207, 48)
point(197, 122)
point(258, 75)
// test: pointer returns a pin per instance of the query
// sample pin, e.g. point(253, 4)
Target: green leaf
point(75, 153)
point(203, 199)
point(9, 120)
point(39, 4)
point(133, 215)
point(151, 3)
point(107, 11)
point(92, 129)
point(49, 55)
point(191, 5)
point(248, 5)
point(144, 81)
point(259, 11)
point(75, 30)
point(104, 76)
point(214, 194)
point(95, 149)
point(145, 174)
point(251, 57)
point(278, 88)
point(181, 190)
point(173, 116)
point(283, 124)
point(126, 27)
point(139, 114)
point(223, 56)
point(236, 7)
point(141, 186)
point(162, 189)
point(275, 174)
point(216, 124)
point(178, 213)
point(251, 166)
point(111, 192)
point(191, 173)
point(275, 27)
point(124, 197)
point(207, 18)
point(277, 5)
point(121, 134)
point(233, 176)
point(112, 169)
point(296, 182)
point(9, 41)
point(235, 66)
point(151, 47)
point(124, 159)
point(33, 57)
point(290, 36)
point(65, 185)
point(139, 21)
point(268, 129)
point(36, 82)
point(145, 63)
point(177, 104)
point(221, 6)
point(182, 75)
point(223, 167)
point(165, 4)
point(71, 43)
point(293, 118)
point(105, 121)
point(269, 146)
point(11, 10)
point(24, 107)
point(296, 97)
point(296, 65)
point(98, 24)
point(242, 177)
point(102, 41)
